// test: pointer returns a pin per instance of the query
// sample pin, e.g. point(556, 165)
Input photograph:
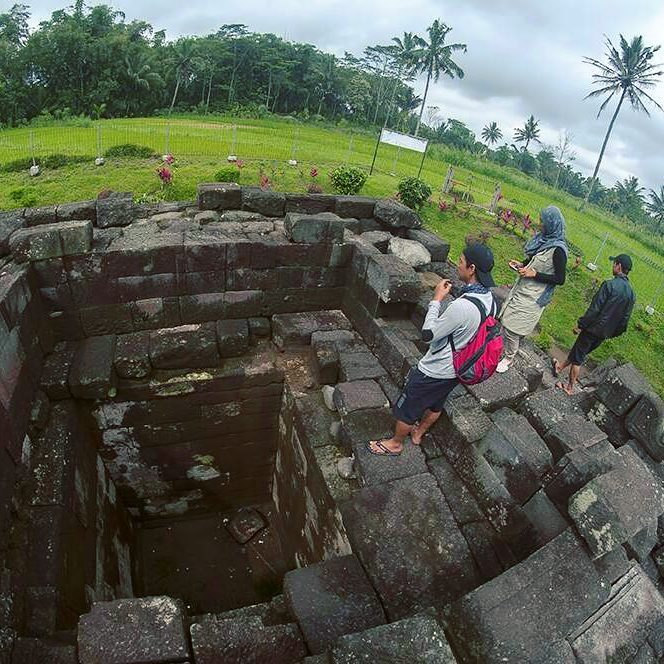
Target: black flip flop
point(379, 444)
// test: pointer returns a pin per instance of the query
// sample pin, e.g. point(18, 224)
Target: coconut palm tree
point(627, 73)
point(530, 132)
point(491, 133)
point(184, 60)
point(434, 58)
point(655, 205)
point(141, 77)
point(629, 196)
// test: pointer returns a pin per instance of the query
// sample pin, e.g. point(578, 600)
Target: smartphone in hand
point(515, 265)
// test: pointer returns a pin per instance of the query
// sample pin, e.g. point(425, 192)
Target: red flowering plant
point(168, 159)
point(240, 163)
point(265, 182)
point(313, 187)
point(165, 175)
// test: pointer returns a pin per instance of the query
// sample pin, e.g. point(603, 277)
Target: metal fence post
point(497, 195)
point(447, 185)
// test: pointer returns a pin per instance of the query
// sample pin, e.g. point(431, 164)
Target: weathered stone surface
point(359, 395)
point(40, 215)
point(547, 521)
point(9, 223)
point(573, 432)
point(219, 196)
point(245, 639)
point(245, 523)
point(184, 347)
point(132, 355)
point(357, 207)
point(310, 203)
point(379, 239)
point(363, 425)
point(115, 210)
point(373, 469)
point(296, 329)
point(33, 244)
point(313, 419)
point(55, 374)
point(79, 210)
point(359, 366)
point(415, 557)
point(145, 630)
point(263, 201)
point(620, 627)
point(418, 639)
point(615, 506)
point(232, 337)
point(42, 651)
point(501, 390)
point(646, 423)
point(259, 327)
point(324, 227)
point(546, 409)
point(410, 252)
point(486, 548)
point(91, 373)
point(439, 249)
point(520, 614)
point(459, 498)
point(396, 215)
point(391, 280)
point(610, 423)
point(331, 599)
point(621, 388)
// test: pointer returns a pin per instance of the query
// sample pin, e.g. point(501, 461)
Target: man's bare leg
point(394, 444)
point(429, 419)
point(574, 372)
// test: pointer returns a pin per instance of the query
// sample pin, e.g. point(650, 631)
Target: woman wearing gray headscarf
point(539, 274)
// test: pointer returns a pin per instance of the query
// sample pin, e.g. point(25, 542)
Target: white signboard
point(403, 140)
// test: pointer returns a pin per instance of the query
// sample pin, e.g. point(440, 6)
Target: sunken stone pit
point(181, 388)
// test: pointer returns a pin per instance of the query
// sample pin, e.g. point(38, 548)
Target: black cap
point(624, 260)
point(481, 257)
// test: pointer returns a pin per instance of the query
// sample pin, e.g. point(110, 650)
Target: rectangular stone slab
point(91, 373)
point(621, 388)
point(331, 599)
point(407, 540)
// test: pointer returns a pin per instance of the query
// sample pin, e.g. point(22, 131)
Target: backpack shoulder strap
point(480, 307)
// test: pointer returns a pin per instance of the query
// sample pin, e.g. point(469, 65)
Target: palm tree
point(140, 75)
point(629, 73)
point(403, 51)
point(530, 132)
point(629, 196)
point(491, 133)
point(435, 58)
point(656, 205)
point(185, 60)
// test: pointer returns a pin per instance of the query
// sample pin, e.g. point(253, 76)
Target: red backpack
point(478, 359)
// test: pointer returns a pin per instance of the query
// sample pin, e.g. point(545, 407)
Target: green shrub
point(413, 192)
point(228, 174)
point(348, 180)
point(23, 197)
point(51, 161)
point(130, 150)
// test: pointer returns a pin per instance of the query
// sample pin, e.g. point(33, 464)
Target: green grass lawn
point(201, 146)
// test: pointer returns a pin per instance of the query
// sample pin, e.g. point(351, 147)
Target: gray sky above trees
point(524, 56)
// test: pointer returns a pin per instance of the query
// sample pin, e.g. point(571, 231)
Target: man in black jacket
point(607, 317)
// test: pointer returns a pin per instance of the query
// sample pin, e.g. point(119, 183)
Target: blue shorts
point(422, 393)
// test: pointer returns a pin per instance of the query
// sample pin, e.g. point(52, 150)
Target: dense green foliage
point(348, 180)
point(413, 192)
point(228, 174)
point(129, 150)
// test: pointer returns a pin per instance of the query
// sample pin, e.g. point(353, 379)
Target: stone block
point(243, 304)
point(614, 507)
point(396, 215)
point(79, 210)
point(310, 203)
point(324, 227)
point(599, 373)
point(360, 426)
point(42, 651)
point(312, 420)
point(410, 252)
point(392, 280)
point(219, 196)
point(547, 521)
point(91, 374)
point(297, 328)
point(232, 337)
point(40, 216)
point(500, 391)
point(547, 409)
point(115, 210)
point(245, 639)
point(245, 523)
point(184, 347)
point(359, 366)
point(75, 236)
point(331, 599)
point(145, 630)
point(418, 639)
point(484, 544)
point(356, 207)
point(573, 432)
point(622, 388)
point(55, 374)
point(519, 615)
point(610, 423)
point(414, 557)
point(379, 239)
point(646, 423)
point(203, 307)
point(9, 223)
point(621, 626)
point(459, 498)
point(264, 201)
point(34, 244)
point(359, 395)
point(439, 249)
point(156, 312)
point(259, 328)
point(373, 469)
point(132, 355)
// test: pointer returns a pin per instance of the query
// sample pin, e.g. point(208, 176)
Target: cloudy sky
point(524, 56)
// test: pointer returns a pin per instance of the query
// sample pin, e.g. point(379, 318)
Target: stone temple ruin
point(178, 384)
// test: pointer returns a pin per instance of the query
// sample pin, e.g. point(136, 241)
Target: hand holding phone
point(442, 289)
point(515, 265)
